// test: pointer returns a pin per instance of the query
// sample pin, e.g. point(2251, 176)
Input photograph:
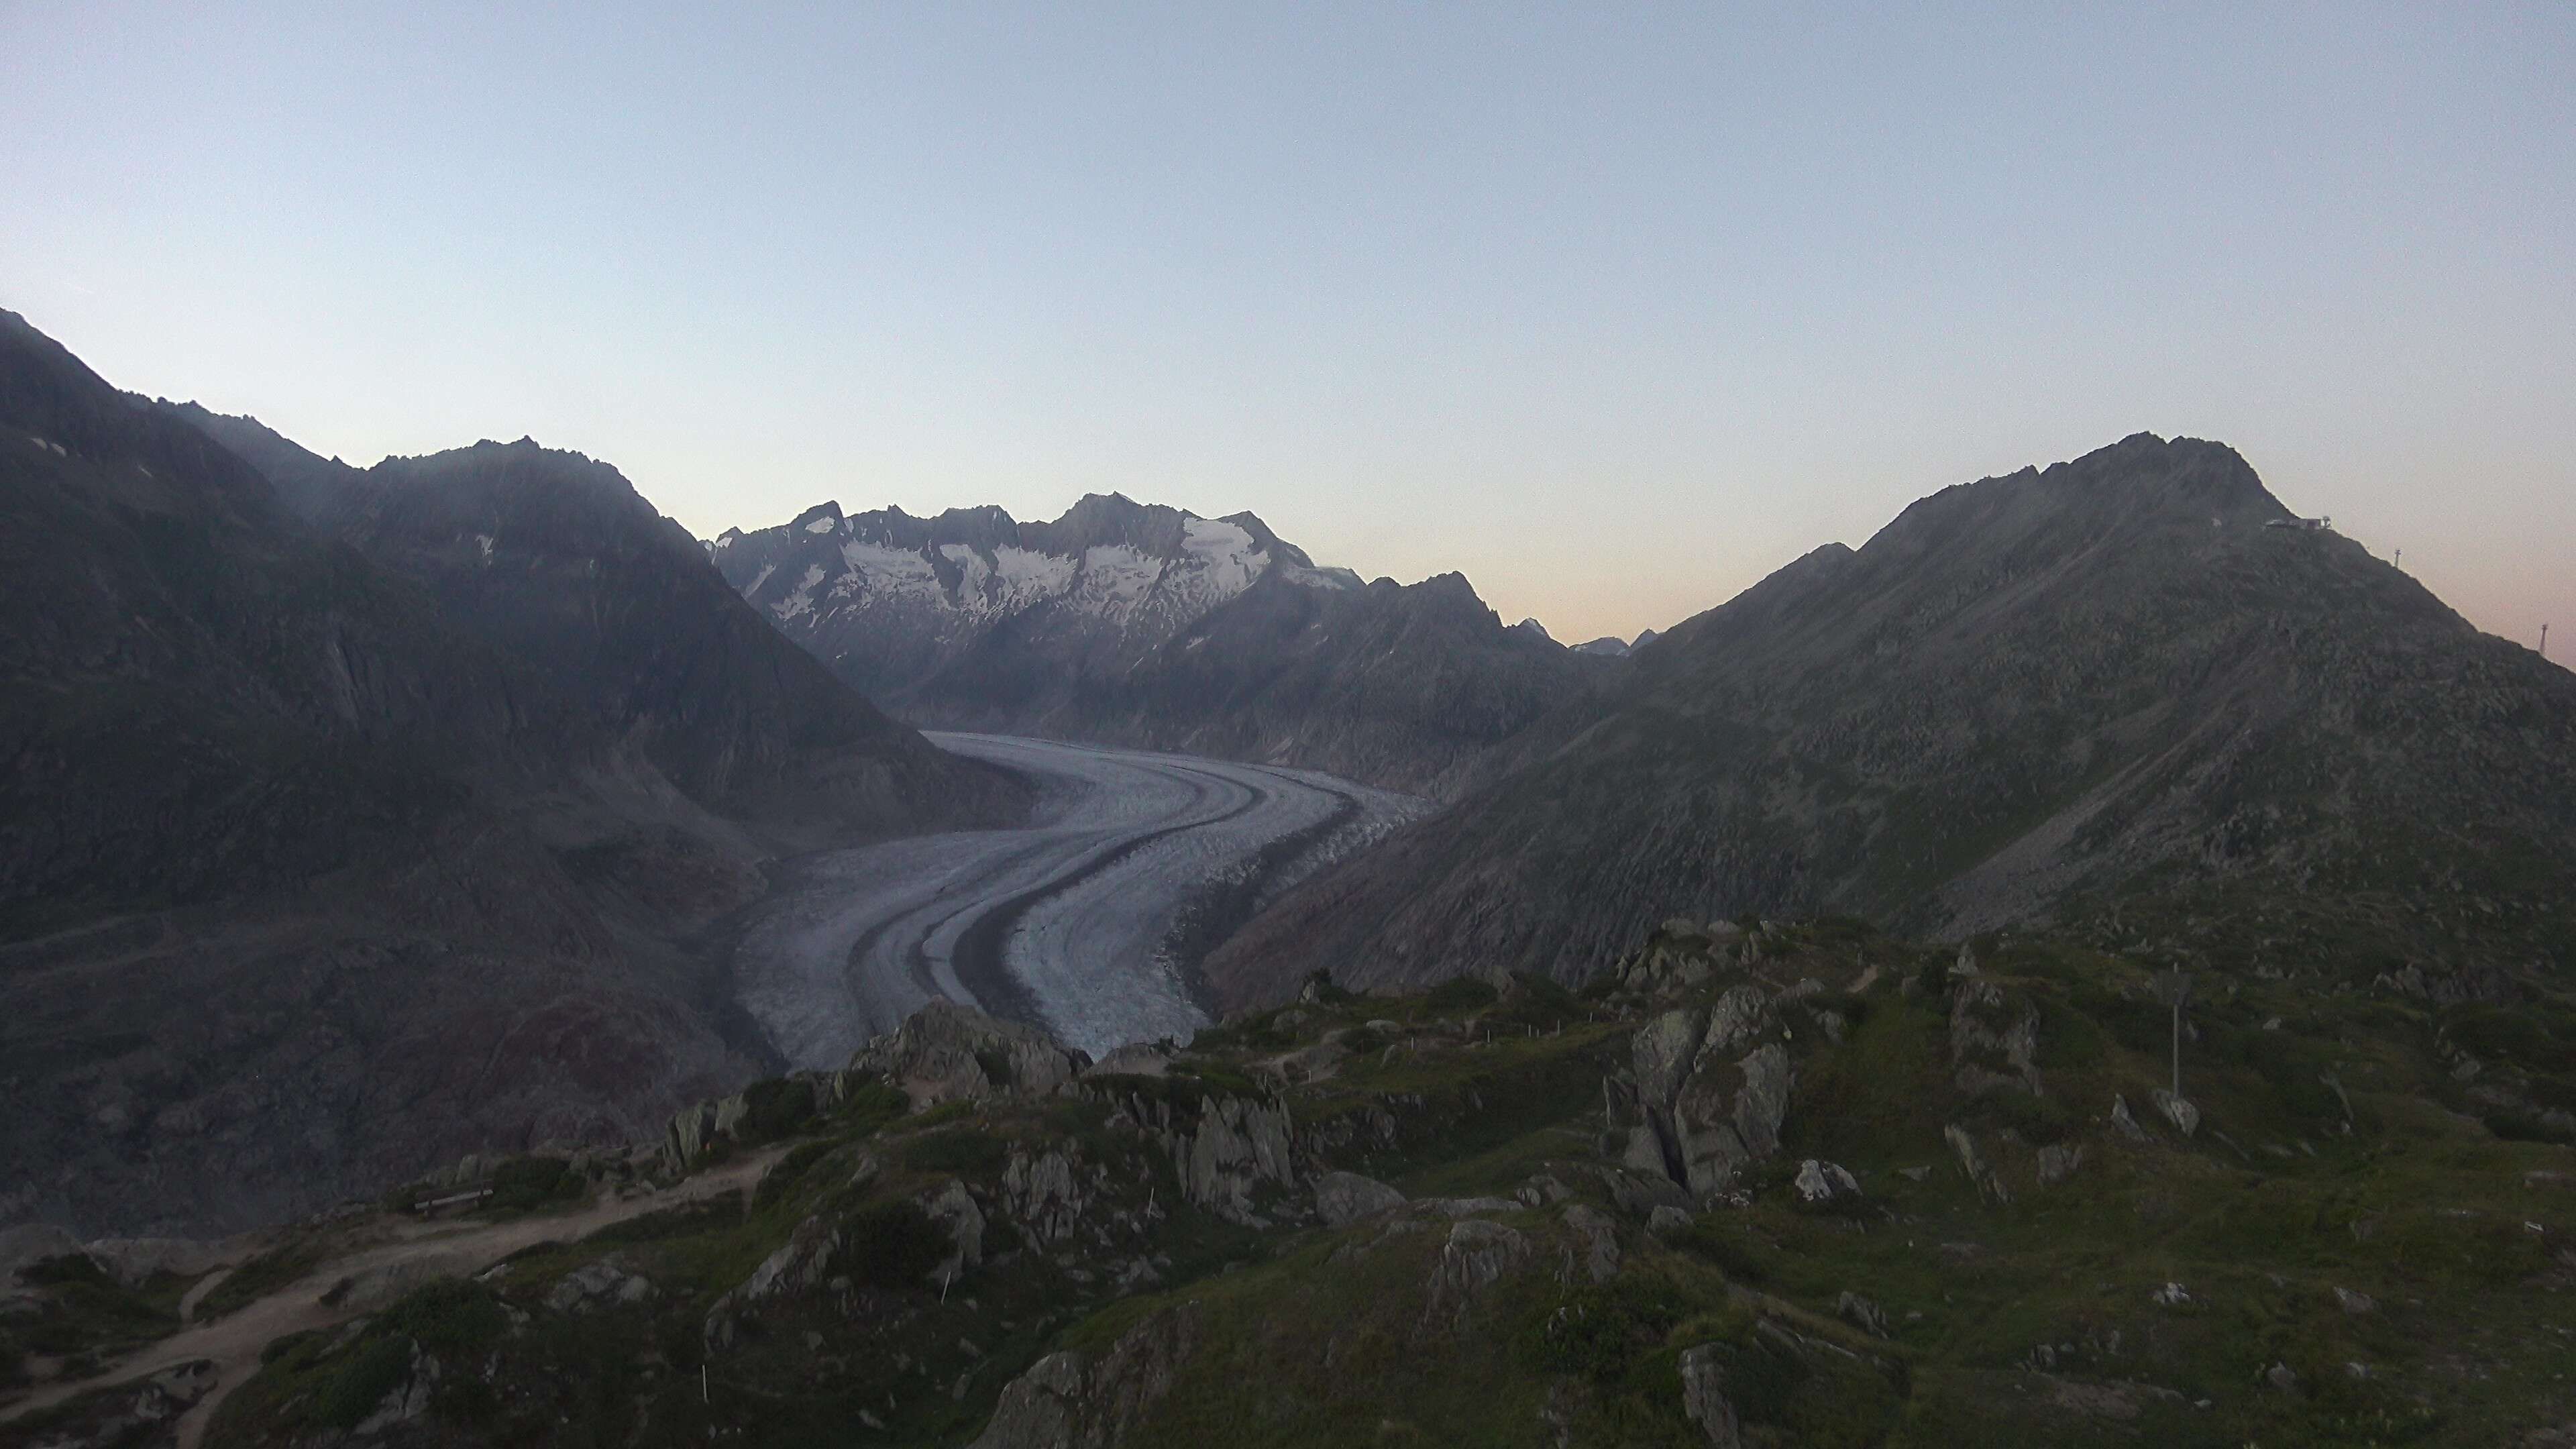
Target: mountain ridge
point(1082, 628)
point(2024, 695)
point(327, 851)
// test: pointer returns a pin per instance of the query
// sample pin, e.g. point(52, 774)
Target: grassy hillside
point(2363, 1240)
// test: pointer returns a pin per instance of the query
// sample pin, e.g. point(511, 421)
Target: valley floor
point(1089, 920)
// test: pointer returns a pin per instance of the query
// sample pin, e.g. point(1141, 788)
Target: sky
point(1612, 308)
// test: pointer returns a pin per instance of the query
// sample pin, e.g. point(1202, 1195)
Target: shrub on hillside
point(893, 1245)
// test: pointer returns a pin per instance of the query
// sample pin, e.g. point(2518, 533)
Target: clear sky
point(1614, 308)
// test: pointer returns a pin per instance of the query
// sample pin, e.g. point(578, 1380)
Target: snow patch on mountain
point(1228, 558)
point(873, 571)
point(799, 600)
point(824, 524)
point(1115, 579)
point(1028, 576)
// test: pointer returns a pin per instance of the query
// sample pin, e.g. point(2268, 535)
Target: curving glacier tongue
point(1089, 920)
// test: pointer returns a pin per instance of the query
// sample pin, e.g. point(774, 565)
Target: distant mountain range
point(2106, 691)
point(355, 818)
point(1147, 625)
point(1613, 647)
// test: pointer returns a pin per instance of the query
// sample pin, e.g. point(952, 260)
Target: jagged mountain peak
point(1145, 624)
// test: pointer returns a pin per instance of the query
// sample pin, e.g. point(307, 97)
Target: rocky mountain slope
point(1777, 1184)
point(2054, 693)
point(1402, 685)
point(327, 852)
point(1144, 625)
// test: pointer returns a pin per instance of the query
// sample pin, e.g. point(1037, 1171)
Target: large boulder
point(1664, 1050)
point(1347, 1197)
point(946, 1051)
point(691, 1128)
point(1704, 1398)
point(2179, 1111)
point(1729, 1116)
point(1821, 1184)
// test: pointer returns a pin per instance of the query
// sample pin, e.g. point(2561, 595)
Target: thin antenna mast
point(2544, 641)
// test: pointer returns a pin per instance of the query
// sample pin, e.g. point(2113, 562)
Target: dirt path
point(381, 1270)
point(189, 1300)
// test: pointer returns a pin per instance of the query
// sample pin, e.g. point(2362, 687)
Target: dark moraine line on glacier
point(1074, 920)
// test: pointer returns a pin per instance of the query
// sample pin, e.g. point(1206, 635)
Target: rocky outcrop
point(1598, 1237)
point(2058, 1161)
point(1822, 1184)
point(1994, 1040)
point(1478, 1255)
point(1342, 1198)
point(1232, 1154)
point(136, 1412)
point(604, 1284)
point(1989, 1185)
point(1704, 1397)
point(1681, 956)
point(1861, 1313)
point(2122, 1120)
point(1708, 1091)
point(953, 1208)
point(945, 1052)
point(2179, 1111)
point(797, 1266)
point(408, 1399)
point(1075, 1400)
point(1042, 1192)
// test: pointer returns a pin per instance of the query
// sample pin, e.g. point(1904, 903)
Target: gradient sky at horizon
point(1615, 309)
